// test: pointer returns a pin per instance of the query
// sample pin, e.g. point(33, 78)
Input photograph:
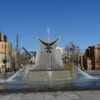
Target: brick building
point(91, 58)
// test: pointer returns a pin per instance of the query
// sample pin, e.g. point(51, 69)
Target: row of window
point(5, 46)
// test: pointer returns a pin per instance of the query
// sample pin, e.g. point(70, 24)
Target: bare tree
point(24, 59)
point(71, 52)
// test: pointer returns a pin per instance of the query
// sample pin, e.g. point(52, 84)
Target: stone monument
point(49, 65)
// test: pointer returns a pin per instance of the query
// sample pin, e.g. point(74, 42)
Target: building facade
point(5, 53)
point(91, 58)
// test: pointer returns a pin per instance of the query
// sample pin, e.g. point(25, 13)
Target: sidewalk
point(8, 74)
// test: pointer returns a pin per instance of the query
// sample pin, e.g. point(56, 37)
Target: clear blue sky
point(73, 20)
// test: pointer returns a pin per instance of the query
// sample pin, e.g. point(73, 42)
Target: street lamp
point(5, 59)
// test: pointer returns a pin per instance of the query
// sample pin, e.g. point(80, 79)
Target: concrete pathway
point(75, 95)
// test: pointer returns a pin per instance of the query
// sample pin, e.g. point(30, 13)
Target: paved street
point(76, 95)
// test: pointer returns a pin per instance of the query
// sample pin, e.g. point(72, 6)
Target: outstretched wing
point(44, 43)
point(54, 42)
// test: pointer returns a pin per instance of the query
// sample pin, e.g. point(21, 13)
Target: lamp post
point(5, 59)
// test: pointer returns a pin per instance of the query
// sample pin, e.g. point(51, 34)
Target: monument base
point(50, 75)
